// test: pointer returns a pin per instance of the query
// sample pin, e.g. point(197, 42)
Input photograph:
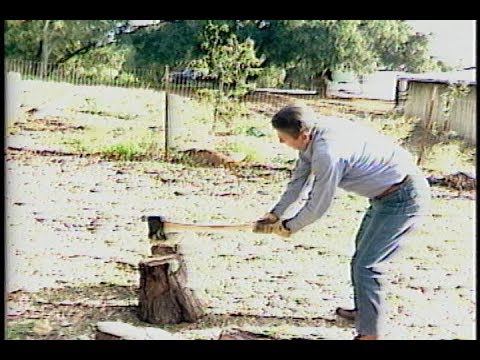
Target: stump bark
point(163, 295)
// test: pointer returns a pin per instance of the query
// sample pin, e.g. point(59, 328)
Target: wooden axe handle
point(172, 227)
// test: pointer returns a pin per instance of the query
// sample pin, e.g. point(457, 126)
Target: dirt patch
point(48, 125)
point(209, 158)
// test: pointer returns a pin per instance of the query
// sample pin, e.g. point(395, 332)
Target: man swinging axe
point(345, 154)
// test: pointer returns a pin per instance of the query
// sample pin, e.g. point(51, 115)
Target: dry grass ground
point(74, 236)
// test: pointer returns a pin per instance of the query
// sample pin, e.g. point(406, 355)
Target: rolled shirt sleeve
point(327, 171)
point(294, 187)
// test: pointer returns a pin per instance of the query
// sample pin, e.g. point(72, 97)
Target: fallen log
point(237, 334)
point(460, 181)
point(116, 330)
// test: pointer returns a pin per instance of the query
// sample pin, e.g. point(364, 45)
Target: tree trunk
point(45, 49)
point(163, 295)
point(320, 85)
point(322, 90)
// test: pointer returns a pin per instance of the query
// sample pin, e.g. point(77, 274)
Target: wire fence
point(187, 108)
point(79, 75)
point(180, 82)
point(183, 108)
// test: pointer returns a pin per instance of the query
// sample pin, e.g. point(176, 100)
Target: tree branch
point(119, 31)
point(79, 51)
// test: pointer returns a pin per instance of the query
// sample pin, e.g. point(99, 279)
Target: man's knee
point(363, 270)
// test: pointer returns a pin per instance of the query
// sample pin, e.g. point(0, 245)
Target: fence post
point(166, 120)
point(428, 126)
point(12, 97)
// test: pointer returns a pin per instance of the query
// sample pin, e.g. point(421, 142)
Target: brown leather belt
point(392, 188)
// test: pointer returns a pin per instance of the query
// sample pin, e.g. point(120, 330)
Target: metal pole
point(166, 112)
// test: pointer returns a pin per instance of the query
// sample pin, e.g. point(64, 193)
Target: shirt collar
point(313, 135)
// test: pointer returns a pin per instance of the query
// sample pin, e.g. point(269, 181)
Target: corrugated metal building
point(420, 96)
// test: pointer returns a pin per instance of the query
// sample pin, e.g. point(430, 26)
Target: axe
point(158, 227)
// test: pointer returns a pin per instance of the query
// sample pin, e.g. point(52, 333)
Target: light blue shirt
point(348, 155)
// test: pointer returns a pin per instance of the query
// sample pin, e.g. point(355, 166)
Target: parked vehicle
point(190, 75)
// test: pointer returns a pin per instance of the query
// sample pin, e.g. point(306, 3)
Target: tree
point(308, 49)
point(399, 47)
point(232, 62)
point(175, 43)
point(56, 42)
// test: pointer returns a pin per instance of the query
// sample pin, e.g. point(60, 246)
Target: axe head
point(156, 227)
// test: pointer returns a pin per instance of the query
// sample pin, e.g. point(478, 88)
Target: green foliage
point(20, 330)
point(412, 55)
point(300, 50)
point(453, 92)
point(81, 49)
point(232, 62)
point(251, 154)
point(438, 137)
point(59, 38)
point(448, 156)
point(271, 77)
point(123, 151)
point(361, 46)
point(253, 131)
point(175, 43)
point(103, 64)
point(225, 108)
point(227, 58)
point(131, 150)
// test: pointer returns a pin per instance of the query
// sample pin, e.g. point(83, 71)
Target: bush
point(129, 151)
point(271, 77)
point(125, 152)
point(450, 156)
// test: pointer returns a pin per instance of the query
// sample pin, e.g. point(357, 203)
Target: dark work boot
point(347, 314)
point(365, 337)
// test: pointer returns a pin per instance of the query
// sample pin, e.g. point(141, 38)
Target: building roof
point(287, 91)
point(465, 76)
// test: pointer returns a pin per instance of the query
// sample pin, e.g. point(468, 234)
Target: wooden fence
point(424, 101)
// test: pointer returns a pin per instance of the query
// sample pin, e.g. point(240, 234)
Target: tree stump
point(164, 249)
point(163, 295)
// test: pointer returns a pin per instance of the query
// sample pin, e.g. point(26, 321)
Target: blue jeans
point(384, 227)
